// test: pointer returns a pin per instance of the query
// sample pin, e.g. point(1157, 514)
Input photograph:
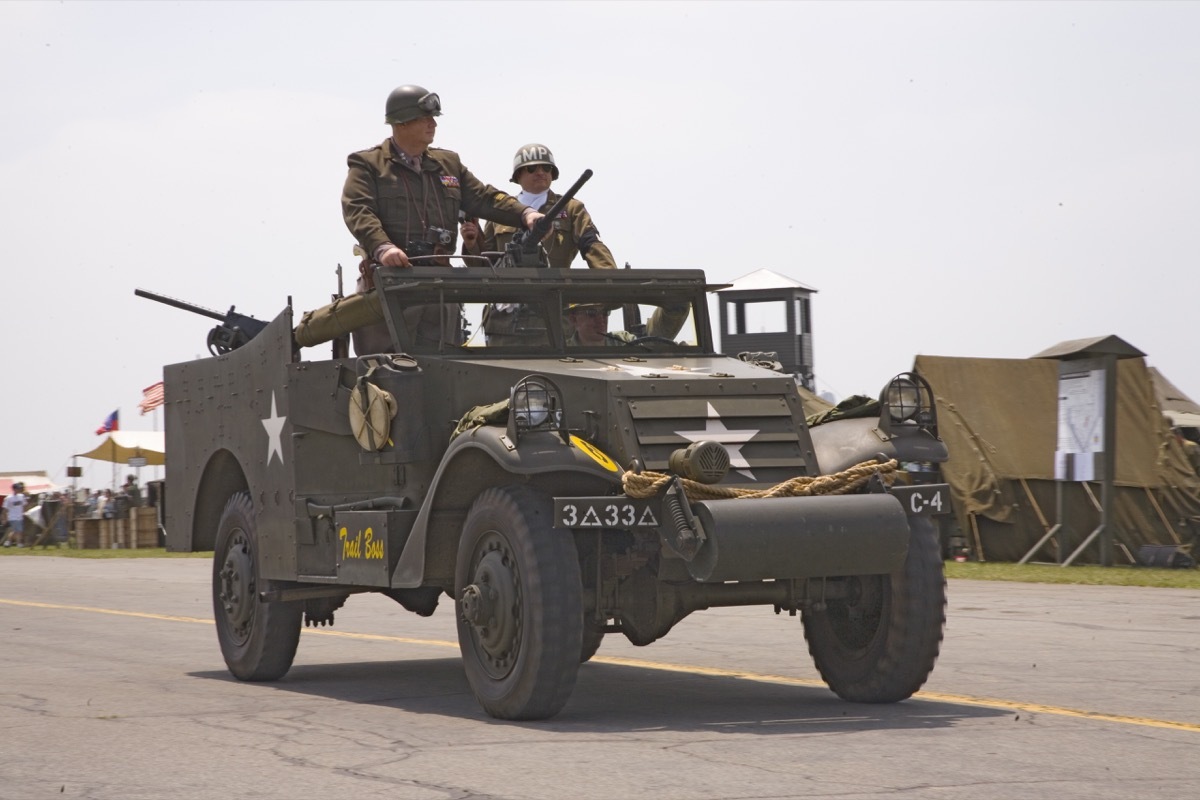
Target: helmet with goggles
point(410, 102)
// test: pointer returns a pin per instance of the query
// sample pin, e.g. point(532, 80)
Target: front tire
point(591, 641)
point(258, 640)
point(879, 644)
point(519, 604)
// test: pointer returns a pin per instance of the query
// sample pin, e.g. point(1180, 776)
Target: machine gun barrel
point(542, 226)
point(523, 249)
point(233, 331)
point(180, 304)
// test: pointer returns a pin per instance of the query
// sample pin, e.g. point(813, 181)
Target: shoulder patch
point(450, 181)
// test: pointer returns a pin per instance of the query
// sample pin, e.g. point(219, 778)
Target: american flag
point(152, 397)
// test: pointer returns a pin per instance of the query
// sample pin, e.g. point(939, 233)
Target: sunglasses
point(591, 313)
point(532, 168)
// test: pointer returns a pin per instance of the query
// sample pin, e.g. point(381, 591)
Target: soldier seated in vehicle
point(587, 324)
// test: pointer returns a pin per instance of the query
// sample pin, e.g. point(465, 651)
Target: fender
point(485, 457)
point(845, 442)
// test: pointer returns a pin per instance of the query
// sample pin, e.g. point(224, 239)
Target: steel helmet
point(532, 154)
point(410, 102)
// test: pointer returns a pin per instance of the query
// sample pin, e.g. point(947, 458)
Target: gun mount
point(525, 248)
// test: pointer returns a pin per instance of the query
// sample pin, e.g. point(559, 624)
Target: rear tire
point(880, 644)
point(258, 640)
point(519, 605)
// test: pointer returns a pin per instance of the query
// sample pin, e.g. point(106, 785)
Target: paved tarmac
point(112, 686)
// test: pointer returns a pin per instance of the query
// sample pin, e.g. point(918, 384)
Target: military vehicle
point(556, 491)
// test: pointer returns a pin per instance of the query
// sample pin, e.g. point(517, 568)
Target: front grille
point(758, 431)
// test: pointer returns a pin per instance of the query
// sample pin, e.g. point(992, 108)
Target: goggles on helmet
point(430, 103)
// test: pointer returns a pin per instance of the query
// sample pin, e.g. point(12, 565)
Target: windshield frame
point(405, 288)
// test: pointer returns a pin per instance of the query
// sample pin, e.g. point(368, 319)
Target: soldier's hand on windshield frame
point(394, 257)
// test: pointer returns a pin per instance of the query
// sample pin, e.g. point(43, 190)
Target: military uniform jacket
point(384, 201)
point(573, 232)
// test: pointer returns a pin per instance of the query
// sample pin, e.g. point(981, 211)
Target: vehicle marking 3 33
point(605, 512)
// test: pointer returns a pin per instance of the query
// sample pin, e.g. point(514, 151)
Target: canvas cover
point(35, 482)
point(999, 419)
point(120, 446)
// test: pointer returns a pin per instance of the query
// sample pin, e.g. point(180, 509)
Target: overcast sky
point(956, 179)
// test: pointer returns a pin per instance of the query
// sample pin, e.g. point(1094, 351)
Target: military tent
point(999, 419)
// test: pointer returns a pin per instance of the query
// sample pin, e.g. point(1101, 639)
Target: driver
point(589, 325)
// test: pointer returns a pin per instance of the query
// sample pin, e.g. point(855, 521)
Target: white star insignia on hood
point(715, 431)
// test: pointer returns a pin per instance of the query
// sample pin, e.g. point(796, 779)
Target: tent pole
point(1161, 516)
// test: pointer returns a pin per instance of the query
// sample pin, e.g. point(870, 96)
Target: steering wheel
point(644, 339)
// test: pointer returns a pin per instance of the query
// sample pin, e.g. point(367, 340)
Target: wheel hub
point(237, 585)
point(490, 605)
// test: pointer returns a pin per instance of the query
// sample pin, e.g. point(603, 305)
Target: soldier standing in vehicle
point(572, 233)
point(401, 201)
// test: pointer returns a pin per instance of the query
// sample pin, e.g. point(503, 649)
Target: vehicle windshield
point(551, 311)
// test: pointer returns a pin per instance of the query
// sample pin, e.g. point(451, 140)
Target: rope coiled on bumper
point(851, 479)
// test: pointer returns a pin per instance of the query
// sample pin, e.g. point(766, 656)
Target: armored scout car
point(555, 491)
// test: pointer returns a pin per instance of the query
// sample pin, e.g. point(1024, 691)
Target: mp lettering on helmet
point(535, 153)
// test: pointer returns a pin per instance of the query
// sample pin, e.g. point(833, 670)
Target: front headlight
point(907, 399)
point(902, 398)
point(531, 405)
point(535, 403)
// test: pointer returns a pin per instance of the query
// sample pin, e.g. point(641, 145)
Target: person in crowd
point(132, 491)
point(107, 507)
point(14, 513)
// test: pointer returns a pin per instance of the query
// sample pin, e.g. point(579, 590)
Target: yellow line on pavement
point(937, 697)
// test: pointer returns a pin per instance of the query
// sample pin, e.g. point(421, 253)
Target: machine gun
point(525, 249)
point(233, 332)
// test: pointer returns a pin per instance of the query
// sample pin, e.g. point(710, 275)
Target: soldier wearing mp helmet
point(401, 201)
point(572, 233)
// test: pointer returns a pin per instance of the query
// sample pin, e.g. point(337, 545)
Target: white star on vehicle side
point(715, 431)
point(274, 427)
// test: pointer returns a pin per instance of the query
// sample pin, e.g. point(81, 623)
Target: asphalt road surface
point(112, 686)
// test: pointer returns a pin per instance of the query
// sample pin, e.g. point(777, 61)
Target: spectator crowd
point(27, 519)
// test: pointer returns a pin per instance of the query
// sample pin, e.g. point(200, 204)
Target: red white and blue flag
point(152, 397)
point(111, 423)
